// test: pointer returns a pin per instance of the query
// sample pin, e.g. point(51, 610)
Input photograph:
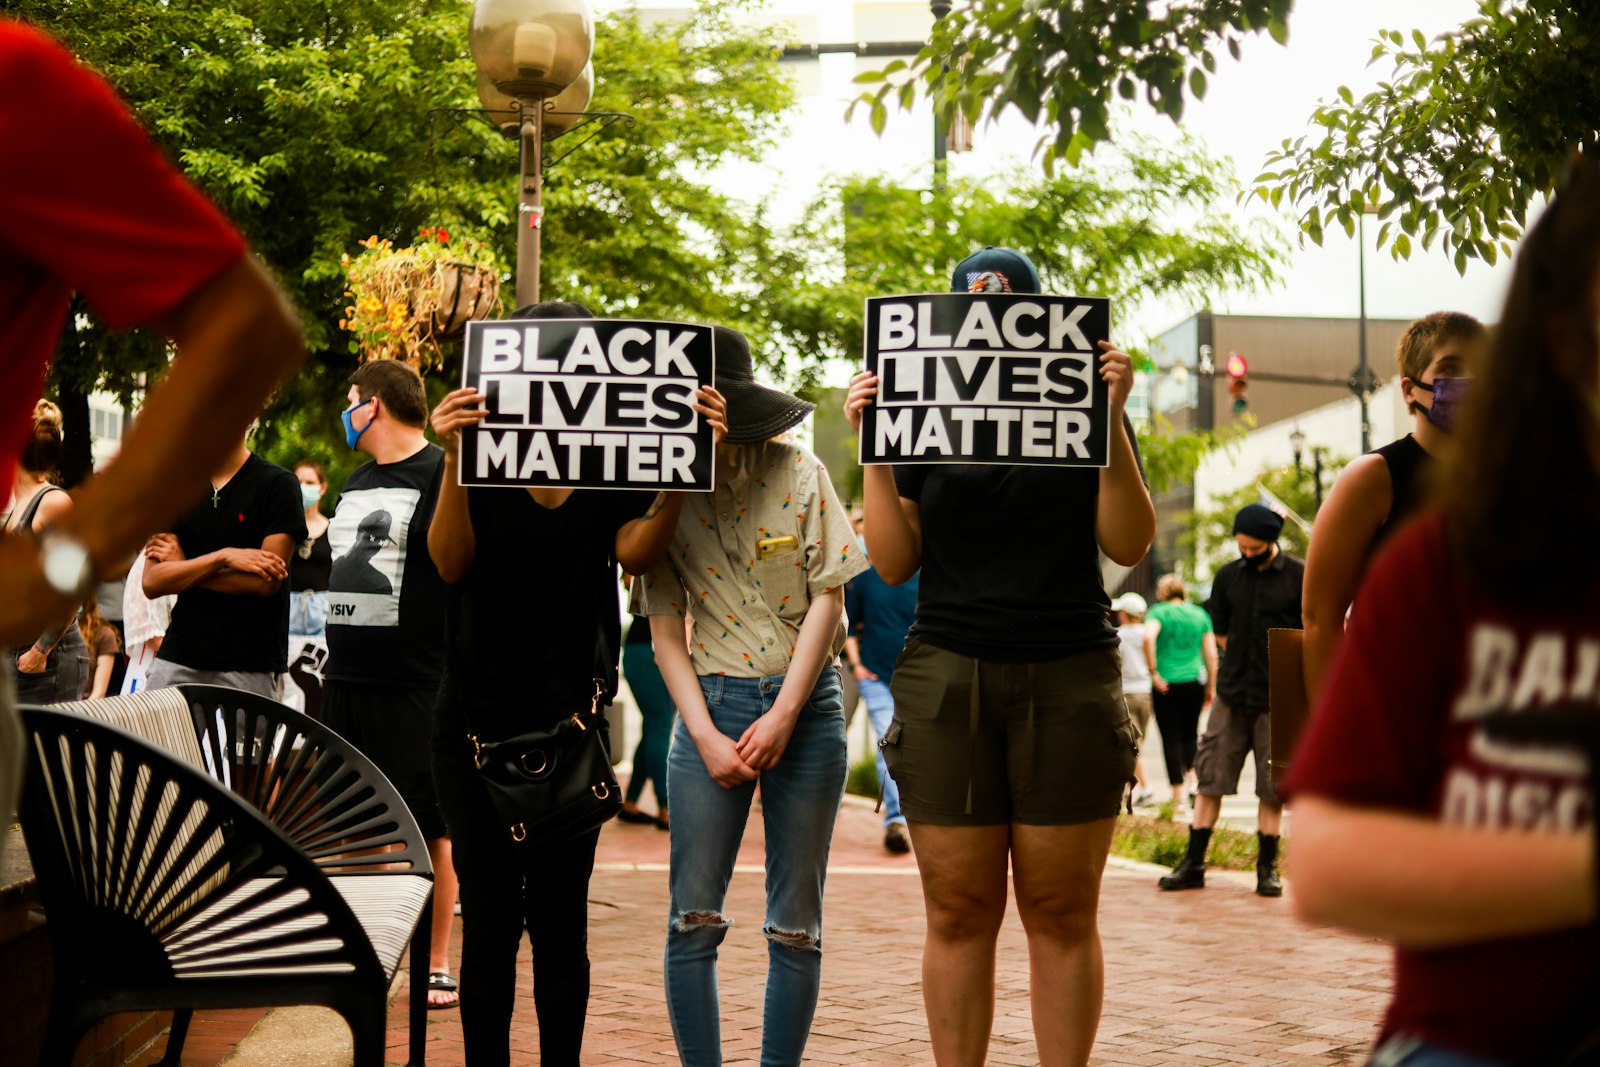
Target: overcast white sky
point(1251, 106)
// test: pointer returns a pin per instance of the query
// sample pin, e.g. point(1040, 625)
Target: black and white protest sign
point(597, 403)
point(987, 378)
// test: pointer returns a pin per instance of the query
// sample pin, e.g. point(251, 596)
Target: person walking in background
point(510, 670)
point(655, 734)
point(1011, 742)
point(386, 647)
point(1180, 651)
point(763, 559)
point(1257, 592)
point(1130, 609)
point(54, 667)
point(879, 614)
point(1379, 491)
point(1444, 789)
point(227, 561)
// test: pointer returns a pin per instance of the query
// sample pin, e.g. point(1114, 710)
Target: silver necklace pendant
point(216, 496)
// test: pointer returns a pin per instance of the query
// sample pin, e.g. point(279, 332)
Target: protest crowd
point(464, 592)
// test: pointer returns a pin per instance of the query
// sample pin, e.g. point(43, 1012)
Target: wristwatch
point(66, 564)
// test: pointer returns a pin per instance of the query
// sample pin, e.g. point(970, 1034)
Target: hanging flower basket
point(404, 302)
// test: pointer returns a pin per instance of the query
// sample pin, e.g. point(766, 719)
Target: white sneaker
point(1143, 798)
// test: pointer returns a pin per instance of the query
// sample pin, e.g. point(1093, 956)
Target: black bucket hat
point(756, 413)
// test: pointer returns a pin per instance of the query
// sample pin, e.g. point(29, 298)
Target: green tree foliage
point(1212, 529)
point(1468, 131)
point(1139, 224)
point(1170, 457)
point(314, 125)
point(1063, 61)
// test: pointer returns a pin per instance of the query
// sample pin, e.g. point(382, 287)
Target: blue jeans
point(1401, 1051)
point(880, 710)
point(799, 803)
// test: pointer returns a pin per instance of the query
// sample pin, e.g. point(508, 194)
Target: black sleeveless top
point(1407, 462)
point(311, 565)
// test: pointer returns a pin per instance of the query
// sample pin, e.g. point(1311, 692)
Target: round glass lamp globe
point(531, 48)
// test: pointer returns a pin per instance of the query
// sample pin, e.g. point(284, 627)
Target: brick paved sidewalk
point(1217, 976)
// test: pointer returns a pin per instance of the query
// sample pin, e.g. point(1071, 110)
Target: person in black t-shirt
point(1259, 591)
point(386, 606)
point(1010, 742)
point(228, 560)
point(532, 621)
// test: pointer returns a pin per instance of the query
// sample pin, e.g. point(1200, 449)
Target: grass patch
point(863, 778)
point(1163, 842)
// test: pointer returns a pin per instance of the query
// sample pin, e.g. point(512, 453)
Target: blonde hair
point(43, 451)
point(1170, 587)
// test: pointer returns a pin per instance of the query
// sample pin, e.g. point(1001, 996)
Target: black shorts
point(979, 744)
point(391, 725)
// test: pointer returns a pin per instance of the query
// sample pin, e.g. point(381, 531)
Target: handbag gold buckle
point(544, 762)
point(519, 833)
point(477, 751)
point(600, 790)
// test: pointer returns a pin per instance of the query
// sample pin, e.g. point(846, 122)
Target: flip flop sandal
point(441, 982)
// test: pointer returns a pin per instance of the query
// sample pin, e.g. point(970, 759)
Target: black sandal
point(441, 982)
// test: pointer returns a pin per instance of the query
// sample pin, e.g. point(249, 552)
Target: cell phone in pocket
point(771, 547)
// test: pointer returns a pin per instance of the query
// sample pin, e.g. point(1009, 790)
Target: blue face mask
point(351, 434)
point(309, 495)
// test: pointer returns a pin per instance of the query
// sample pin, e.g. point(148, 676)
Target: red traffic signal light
point(1238, 381)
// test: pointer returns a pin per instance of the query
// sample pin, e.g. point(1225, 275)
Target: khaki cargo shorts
point(1229, 737)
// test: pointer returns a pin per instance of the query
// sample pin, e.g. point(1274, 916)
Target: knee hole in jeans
point(690, 920)
point(799, 942)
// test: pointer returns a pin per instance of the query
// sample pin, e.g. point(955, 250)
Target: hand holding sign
point(863, 391)
point(1116, 367)
point(456, 412)
point(714, 407)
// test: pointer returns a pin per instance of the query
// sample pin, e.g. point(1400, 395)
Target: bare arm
point(763, 743)
point(1152, 630)
point(894, 524)
point(1423, 884)
point(102, 676)
point(246, 571)
point(717, 750)
point(452, 543)
point(263, 579)
point(1124, 517)
point(643, 541)
point(1208, 649)
point(236, 339)
point(1341, 543)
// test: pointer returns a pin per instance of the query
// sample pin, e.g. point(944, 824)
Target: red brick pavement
point(1217, 976)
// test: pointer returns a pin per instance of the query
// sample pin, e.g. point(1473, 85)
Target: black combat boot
point(1267, 882)
point(1191, 873)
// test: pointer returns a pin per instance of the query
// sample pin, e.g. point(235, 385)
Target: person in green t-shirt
point(1181, 651)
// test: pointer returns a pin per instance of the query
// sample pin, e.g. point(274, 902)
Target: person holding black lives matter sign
point(532, 621)
point(1011, 743)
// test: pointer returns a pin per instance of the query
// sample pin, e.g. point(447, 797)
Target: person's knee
point(799, 941)
point(1060, 913)
point(960, 916)
point(712, 925)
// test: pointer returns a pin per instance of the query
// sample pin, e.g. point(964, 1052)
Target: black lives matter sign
point(987, 378)
point(596, 403)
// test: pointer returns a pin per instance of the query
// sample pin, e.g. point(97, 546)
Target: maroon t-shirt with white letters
point(1398, 727)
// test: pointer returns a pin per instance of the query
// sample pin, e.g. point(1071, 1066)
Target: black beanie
point(1258, 521)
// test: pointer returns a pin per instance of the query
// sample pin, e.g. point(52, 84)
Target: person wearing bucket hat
point(759, 565)
point(1011, 742)
point(1257, 592)
point(756, 412)
point(531, 623)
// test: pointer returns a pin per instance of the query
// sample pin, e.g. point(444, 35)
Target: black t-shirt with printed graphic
point(212, 631)
point(386, 601)
point(526, 621)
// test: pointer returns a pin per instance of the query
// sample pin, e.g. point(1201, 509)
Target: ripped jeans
point(799, 803)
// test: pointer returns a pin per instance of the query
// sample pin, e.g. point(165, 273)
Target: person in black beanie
point(1255, 593)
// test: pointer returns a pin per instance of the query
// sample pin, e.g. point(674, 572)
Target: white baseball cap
point(1132, 603)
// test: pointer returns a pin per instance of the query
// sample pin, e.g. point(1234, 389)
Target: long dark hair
point(1526, 477)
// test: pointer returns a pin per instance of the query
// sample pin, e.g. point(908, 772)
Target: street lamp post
point(940, 8)
point(1363, 380)
point(531, 50)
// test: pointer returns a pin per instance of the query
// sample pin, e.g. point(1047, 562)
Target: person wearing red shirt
point(1444, 791)
point(89, 205)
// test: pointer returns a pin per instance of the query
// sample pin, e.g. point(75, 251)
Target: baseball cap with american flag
point(995, 270)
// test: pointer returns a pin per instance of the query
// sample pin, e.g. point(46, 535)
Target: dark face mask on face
point(1449, 394)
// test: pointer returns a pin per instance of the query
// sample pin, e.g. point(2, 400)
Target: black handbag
point(551, 785)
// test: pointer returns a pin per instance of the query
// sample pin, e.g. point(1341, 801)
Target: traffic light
point(1238, 382)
